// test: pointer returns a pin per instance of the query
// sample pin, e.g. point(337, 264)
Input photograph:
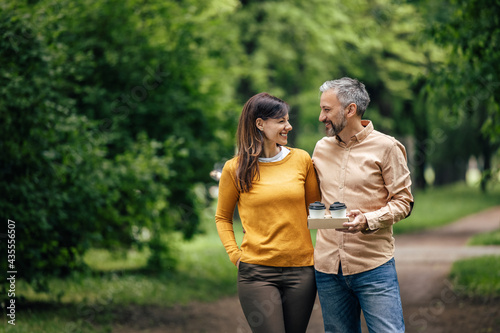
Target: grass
point(487, 238)
point(204, 273)
point(439, 206)
point(477, 276)
point(88, 302)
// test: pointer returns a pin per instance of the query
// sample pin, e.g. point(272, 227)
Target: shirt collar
point(360, 136)
point(368, 128)
point(276, 158)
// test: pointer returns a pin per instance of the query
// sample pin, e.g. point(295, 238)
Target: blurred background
point(113, 114)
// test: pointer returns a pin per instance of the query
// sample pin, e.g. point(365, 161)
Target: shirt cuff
point(235, 256)
point(373, 220)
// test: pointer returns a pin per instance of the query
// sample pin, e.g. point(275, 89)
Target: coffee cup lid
point(337, 206)
point(317, 205)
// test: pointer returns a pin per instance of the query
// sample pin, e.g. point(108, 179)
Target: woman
point(272, 186)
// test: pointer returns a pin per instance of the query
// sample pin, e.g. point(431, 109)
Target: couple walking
point(351, 269)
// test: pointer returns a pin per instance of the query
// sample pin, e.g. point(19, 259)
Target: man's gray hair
point(349, 91)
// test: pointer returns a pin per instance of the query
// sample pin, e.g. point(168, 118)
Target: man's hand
point(357, 223)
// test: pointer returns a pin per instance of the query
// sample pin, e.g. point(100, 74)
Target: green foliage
point(477, 276)
point(466, 86)
point(472, 30)
point(45, 163)
point(291, 49)
point(110, 113)
point(137, 67)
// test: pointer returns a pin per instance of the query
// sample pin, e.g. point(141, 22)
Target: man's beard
point(335, 129)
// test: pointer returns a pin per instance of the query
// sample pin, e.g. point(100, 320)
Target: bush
point(99, 148)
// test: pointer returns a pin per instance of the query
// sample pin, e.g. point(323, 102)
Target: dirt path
point(423, 261)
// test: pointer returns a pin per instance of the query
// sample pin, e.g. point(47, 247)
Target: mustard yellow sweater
point(273, 213)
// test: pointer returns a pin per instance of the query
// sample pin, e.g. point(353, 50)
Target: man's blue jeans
point(376, 292)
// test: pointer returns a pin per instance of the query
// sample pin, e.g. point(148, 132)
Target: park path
point(423, 262)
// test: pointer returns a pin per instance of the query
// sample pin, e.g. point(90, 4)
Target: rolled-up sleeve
point(397, 181)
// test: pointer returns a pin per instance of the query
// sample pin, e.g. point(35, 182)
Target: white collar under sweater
point(278, 157)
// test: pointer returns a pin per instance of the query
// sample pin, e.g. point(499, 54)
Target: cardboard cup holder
point(327, 222)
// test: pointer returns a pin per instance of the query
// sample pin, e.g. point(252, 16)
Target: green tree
point(469, 79)
point(45, 167)
point(112, 113)
point(153, 67)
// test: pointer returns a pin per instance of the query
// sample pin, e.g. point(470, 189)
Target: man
point(366, 170)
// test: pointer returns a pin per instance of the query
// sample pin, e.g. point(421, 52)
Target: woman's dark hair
point(251, 139)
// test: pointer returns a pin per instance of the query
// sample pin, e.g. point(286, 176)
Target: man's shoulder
point(383, 139)
point(324, 142)
point(385, 144)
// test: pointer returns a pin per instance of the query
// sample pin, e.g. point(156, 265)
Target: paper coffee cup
point(338, 209)
point(317, 210)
